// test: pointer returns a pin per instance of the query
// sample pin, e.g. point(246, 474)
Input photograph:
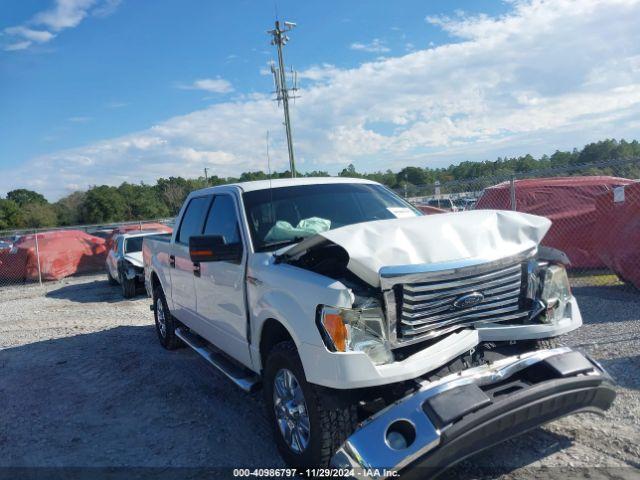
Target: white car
point(124, 261)
point(442, 203)
point(382, 338)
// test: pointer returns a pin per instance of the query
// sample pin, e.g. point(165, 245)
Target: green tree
point(38, 215)
point(22, 197)
point(103, 204)
point(172, 192)
point(68, 209)
point(142, 202)
point(10, 215)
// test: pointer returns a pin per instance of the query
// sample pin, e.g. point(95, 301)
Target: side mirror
point(212, 248)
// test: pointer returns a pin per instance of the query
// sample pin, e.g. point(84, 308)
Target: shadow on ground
point(91, 292)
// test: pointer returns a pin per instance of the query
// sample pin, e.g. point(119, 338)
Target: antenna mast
point(280, 80)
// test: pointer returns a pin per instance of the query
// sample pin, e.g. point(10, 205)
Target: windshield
point(286, 215)
point(133, 245)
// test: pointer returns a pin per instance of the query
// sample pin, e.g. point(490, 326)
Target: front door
point(220, 287)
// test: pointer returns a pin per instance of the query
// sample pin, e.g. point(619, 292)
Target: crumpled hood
point(135, 258)
point(476, 234)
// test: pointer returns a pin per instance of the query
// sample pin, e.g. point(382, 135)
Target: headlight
point(356, 330)
point(555, 293)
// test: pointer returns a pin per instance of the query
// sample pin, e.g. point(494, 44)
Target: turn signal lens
point(356, 330)
point(334, 326)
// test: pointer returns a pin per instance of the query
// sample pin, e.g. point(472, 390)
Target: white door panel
point(183, 285)
point(220, 287)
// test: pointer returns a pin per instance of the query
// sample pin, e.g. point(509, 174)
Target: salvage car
point(124, 262)
point(441, 203)
point(381, 337)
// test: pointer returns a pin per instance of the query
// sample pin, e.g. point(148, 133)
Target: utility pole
point(206, 178)
point(280, 80)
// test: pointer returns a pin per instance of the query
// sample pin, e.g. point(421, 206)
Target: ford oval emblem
point(468, 301)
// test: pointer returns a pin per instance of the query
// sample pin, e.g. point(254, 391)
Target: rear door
point(220, 288)
point(183, 291)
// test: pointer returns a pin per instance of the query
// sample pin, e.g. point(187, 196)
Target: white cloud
point(375, 46)
point(13, 47)
point(108, 7)
point(40, 36)
point(552, 74)
point(213, 85)
point(62, 15)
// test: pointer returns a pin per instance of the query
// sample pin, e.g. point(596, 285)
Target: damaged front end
point(416, 280)
point(131, 269)
point(521, 297)
point(447, 420)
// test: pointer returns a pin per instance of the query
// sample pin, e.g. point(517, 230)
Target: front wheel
point(112, 281)
point(128, 286)
point(307, 430)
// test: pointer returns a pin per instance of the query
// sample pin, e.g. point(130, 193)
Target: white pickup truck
point(382, 338)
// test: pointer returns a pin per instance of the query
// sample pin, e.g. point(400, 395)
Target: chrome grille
point(427, 307)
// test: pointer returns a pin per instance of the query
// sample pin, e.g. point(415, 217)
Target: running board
point(242, 377)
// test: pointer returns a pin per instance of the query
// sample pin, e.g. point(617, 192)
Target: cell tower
point(282, 92)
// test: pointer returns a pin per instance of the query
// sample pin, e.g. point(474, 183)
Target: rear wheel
point(165, 323)
point(307, 430)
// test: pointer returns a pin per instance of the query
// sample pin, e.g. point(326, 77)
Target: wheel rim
point(161, 319)
point(291, 412)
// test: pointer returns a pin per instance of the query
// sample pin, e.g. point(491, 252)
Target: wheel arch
point(272, 332)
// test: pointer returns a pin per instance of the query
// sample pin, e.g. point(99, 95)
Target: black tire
point(168, 338)
point(329, 425)
point(128, 286)
point(112, 281)
point(546, 343)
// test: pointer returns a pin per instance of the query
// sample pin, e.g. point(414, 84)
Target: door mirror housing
point(213, 248)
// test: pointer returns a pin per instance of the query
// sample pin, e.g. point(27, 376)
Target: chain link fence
point(35, 256)
point(594, 209)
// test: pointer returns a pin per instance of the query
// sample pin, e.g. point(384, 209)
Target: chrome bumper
point(450, 419)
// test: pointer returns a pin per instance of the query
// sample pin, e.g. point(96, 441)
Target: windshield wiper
point(280, 243)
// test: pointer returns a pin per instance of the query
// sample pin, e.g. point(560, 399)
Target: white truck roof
point(284, 182)
point(140, 233)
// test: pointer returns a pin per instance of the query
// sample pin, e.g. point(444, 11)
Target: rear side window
point(222, 220)
point(192, 219)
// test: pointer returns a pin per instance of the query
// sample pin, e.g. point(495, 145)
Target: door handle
point(196, 269)
point(172, 261)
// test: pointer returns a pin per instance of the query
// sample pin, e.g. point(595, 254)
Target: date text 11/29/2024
point(315, 472)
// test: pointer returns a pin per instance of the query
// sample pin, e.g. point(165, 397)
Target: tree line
point(24, 208)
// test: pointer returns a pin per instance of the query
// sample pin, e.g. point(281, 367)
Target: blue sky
point(103, 91)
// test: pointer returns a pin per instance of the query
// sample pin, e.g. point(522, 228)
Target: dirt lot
point(84, 383)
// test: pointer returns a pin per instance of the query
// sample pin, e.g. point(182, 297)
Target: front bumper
point(448, 420)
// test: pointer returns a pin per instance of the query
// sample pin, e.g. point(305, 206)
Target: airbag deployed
point(283, 230)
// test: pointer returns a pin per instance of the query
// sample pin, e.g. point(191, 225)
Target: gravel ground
point(85, 383)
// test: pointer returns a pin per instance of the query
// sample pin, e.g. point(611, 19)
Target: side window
point(222, 220)
point(192, 219)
